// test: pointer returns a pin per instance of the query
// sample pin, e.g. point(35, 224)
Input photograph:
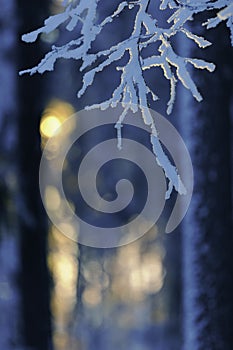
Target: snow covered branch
point(133, 90)
point(84, 12)
point(226, 14)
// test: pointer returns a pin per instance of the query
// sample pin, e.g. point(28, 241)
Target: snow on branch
point(226, 14)
point(133, 90)
point(85, 13)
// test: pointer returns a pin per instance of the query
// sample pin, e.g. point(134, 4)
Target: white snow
point(133, 89)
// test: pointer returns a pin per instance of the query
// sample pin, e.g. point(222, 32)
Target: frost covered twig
point(84, 13)
point(133, 90)
point(226, 14)
point(76, 49)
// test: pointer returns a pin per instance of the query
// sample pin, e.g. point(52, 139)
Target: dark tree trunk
point(9, 259)
point(32, 223)
point(208, 239)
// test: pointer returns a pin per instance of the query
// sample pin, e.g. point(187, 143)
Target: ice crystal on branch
point(133, 90)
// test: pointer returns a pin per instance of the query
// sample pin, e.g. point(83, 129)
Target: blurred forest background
point(163, 292)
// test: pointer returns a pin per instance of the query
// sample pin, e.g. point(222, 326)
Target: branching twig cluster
point(133, 90)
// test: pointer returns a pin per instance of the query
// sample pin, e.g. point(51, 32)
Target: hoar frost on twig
point(133, 90)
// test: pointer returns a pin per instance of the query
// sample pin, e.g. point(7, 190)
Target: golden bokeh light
point(140, 269)
point(55, 113)
point(70, 230)
point(49, 126)
point(63, 265)
point(92, 296)
point(52, 198)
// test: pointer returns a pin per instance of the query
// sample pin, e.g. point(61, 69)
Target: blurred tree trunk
point(9, 296)
point(207, 237)
point(34, 278)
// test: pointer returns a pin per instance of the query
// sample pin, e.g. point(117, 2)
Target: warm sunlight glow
point(69, 230)
point(92, 296)
point(138, 272)
point(63, 264)
point(52, 198)
point(49, 126)
point(55, 113)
